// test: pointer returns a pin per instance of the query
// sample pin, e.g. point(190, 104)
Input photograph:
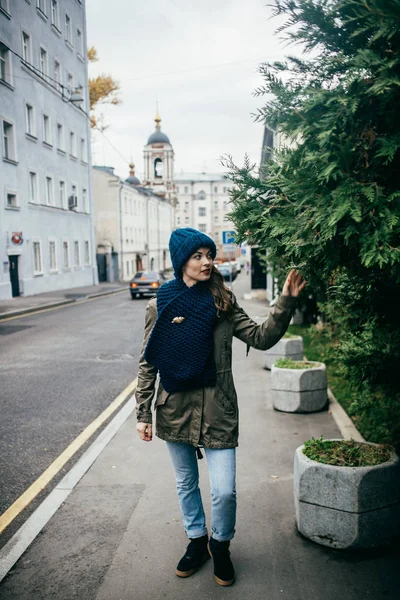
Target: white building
point(46, 227)
point(203, 203)
point(132, 225)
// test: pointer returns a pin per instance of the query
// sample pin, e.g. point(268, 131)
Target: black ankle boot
point(224, 573)
point(196, 554)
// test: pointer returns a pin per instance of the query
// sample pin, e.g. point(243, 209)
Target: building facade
point(203, 203)
point(46, 225)
point(132, 224)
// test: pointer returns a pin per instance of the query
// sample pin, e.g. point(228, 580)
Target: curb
point(343, 421)
point(12, 551)
point(31, 309)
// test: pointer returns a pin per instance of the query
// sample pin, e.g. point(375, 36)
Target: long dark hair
point(222, 296)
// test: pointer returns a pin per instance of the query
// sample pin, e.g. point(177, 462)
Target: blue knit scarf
point(182, 351)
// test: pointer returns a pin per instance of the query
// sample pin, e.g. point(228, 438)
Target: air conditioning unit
point(72, 202)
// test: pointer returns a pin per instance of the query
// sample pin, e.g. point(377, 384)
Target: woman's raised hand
point(294, 283)
point(145, 431)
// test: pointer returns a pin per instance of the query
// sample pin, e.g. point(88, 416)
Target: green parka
point(207, 416)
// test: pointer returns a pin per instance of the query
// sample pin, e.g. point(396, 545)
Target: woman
point(188, 342)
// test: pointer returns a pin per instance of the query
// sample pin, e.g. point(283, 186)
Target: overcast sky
point(199, 59)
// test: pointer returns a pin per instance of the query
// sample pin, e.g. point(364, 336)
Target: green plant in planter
point(346, 453)
point(288, 363)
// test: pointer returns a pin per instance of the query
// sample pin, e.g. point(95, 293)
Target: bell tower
point(159, 162)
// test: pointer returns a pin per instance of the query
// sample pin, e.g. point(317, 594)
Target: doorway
point(14, 276)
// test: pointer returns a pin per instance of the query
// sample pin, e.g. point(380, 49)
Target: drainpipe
point(121, 241)
point(148, 234)
point(90, 199)
point(158, 234)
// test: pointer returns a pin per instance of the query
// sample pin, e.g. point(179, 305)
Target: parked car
point(227, 271)
point(238, 266)
point(146, 282)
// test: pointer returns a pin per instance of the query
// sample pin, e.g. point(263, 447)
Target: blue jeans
point(222, 472)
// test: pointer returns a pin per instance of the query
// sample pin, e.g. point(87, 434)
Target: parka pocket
point(162, 397)
point(225, 393)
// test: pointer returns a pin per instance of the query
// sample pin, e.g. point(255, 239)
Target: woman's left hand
point(294, 284)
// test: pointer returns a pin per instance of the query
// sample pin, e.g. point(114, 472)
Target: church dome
point(132, 179)
point(158, 137)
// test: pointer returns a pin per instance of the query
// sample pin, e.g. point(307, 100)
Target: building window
point(5, 64)
point(61, 194)
point(177, 190)
point(202, 227)
point(70, 83)
point(215, 189)
point(60, 137)
point(216, 220)
point(30, 120)
point(186, 189)
point(186, 205)
point(41, 5)
point(187, 220)
point(49, 191)
point(33, 195)
point(72, 144)
point(201, 196)
point(46, 130)
point(9, 148)
point(79, 44)
point(54, 14)
point(52, 255)
point(43, 61)
point(26, 47)
point(5, 5)
point(216, 204)
point(202, 211)
point(74, 196)
point(84, 200)
point(12, 200)
point(65, 255)
point(87, 253)
point(57, 72)
point(68, 36)
point(37, 258)
point(83, 150)
point(76, 254)
point(178, 220)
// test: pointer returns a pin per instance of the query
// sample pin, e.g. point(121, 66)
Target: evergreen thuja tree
point(329, 202)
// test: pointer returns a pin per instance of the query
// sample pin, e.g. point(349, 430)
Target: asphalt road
point(59, 370)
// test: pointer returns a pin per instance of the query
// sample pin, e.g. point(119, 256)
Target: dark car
point(227, 271)
point(146, 282)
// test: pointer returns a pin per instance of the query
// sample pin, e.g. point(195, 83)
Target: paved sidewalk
point(118, 536)
point(26, 304)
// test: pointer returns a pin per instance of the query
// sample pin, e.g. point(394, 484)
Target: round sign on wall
point(16, 238)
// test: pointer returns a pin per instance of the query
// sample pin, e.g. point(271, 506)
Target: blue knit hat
point(184, 242)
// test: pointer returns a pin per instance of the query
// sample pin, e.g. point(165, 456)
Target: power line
point(112, 146)
point(46, 78)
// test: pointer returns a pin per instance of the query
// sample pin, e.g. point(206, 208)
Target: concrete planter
point(285, 348)
point(298, 318)
point(347, 507)
point(299, 390)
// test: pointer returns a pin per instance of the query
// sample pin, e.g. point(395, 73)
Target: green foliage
point(288, 363)
point(329, 202)
point(346, 453)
